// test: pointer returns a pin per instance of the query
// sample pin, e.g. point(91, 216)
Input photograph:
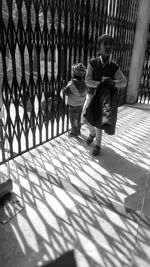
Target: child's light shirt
point(76, 92)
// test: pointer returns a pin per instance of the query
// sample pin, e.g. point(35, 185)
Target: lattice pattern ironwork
point(144, 88)
point(39, 41)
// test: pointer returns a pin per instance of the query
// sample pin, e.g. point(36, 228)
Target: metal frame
point(66, 32)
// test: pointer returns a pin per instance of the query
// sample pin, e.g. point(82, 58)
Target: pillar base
point(131, 99)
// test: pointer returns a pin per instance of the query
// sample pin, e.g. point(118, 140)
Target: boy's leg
point(91, 129)
point(79, 118)
point(92, 133)
point(97, 146)
point(73, 112)
point(98, 138)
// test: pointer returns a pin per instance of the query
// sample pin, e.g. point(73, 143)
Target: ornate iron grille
point(144, 88)
point(39, 41)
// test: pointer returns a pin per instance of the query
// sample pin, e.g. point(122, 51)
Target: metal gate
point(144, 88)
point(39, 41)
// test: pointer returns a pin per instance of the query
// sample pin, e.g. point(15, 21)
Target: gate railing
point(144, 87)
point(39, 41)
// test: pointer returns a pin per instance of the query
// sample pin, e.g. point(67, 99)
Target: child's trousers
point(97, 133)
point(75, 119)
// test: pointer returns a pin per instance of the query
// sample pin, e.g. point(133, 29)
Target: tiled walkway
point(97, 206)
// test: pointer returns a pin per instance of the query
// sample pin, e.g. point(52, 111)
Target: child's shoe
point(96, 151)
point(90, 139)
point(79, 132)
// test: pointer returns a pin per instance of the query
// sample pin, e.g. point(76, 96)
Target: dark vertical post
point(86, 35)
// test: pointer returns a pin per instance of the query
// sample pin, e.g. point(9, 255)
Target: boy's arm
point(89, 78)
point(120, 80)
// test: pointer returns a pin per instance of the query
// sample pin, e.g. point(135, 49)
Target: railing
point(39, 41)
point(144, 88)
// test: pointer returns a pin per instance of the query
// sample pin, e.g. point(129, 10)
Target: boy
point(76, 90)
point(101, 69)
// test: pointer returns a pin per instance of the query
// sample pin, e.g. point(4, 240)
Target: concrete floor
point(97, 206)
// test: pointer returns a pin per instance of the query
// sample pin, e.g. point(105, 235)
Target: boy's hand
point(108, 81)
point(63, 84)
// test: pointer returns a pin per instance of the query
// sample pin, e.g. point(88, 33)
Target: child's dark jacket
point(102, 110)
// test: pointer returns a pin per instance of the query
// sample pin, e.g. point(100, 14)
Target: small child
point(76, 93)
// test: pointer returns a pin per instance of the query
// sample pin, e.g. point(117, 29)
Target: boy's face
point(106, 47)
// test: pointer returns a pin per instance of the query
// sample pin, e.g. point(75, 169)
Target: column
point(138, 53)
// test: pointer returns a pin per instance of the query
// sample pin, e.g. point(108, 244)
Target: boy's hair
point(78, 71)
point(105, 36)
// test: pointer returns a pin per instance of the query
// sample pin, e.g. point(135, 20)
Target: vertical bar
point(52, 81)
point(86, 35)
point(23, 81)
